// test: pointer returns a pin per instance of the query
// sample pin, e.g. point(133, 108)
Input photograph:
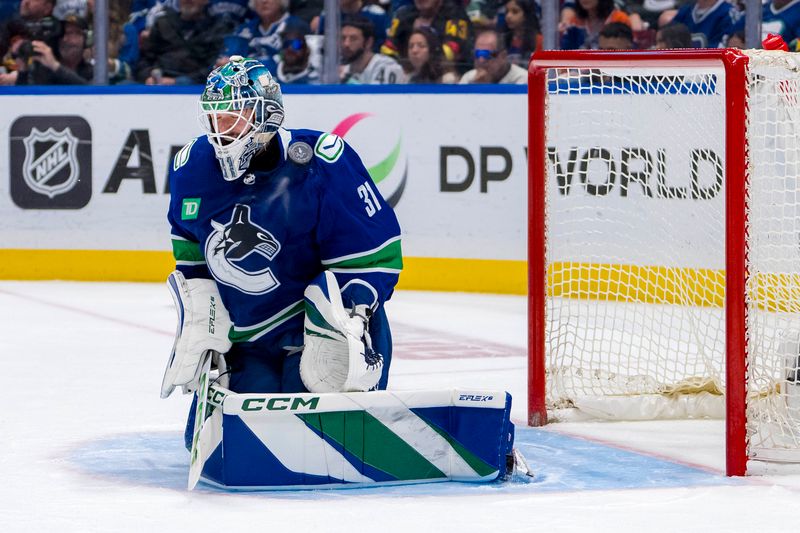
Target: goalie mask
point(241, 109)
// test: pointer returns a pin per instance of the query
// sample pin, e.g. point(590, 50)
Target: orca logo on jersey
point(237, 253)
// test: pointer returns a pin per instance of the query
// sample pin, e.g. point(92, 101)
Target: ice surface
point(89, 446)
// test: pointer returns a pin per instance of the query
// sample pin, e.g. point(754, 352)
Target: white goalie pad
point(337, 354)
point(203, 324)
point(306, 441)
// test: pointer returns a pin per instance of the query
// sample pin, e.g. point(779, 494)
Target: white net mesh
point(635, 233)
point(773, 322)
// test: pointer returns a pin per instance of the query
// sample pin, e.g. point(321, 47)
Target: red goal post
point(544, 69)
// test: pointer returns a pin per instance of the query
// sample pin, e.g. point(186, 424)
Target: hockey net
point(665, 241)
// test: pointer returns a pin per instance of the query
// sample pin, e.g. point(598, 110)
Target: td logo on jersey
point(51, 162)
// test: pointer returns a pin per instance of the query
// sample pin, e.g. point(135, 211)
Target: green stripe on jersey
point(389, 256)
point(251, 333)
point(186, 250)
point(365, 437)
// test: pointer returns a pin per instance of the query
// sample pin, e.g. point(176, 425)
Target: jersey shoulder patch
point(329, 147)
point(300, 152)
point(182, 157)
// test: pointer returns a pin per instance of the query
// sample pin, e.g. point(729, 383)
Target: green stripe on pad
point(366, 438)
point(318, 334)
point(316, 318)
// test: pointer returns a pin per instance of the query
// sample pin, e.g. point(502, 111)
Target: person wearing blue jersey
point(285, 250)
point(260, 37)
point(780, 17)
point(709, 21)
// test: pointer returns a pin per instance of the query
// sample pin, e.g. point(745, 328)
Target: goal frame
point(736, 175)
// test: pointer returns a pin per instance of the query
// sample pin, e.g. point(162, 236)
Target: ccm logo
point(474, 398)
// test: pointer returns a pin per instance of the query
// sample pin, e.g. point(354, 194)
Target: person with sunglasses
point(294, 66)
point(491, 62)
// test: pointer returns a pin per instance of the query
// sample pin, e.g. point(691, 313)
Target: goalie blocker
point(291, 441)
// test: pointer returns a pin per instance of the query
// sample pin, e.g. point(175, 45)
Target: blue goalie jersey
point(265, 236)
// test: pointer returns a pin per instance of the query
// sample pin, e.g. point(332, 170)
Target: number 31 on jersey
point(366, 193)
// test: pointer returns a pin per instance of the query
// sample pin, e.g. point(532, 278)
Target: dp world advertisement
point(84, 189)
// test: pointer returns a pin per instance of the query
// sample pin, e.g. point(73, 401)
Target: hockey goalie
point(285, 255)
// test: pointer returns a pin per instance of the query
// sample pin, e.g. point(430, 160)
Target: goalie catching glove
point(337, 353)
point(203, 325)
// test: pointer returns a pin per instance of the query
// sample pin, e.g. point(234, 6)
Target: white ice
point(83, 365)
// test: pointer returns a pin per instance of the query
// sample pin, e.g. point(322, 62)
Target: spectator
point(396, 5)
point(34, 23)
point(644, 13)
point(737, 40)
point(235, 11)
point(491, 62)
point(260, 37)
point(294, 65)
point(69, 68)
point(781, 17)
point(137, 29)
point(446, 17)
point(118, 11)
point(583, 31)
point(425, 59)
point(72, 45)
point(673, 36)
point(119, 71)
point(182, 45)
point(306, 10)
point(709, 21)
point(358, 7)
point(616, 36)
point(361, 64)
point(521, 31)
point(482, 13)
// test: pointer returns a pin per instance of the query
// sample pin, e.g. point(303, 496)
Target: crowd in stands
point(168, 42)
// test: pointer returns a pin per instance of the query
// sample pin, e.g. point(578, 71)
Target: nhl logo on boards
point(50, 162)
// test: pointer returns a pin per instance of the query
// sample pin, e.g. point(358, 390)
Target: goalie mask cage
point(664, 259)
